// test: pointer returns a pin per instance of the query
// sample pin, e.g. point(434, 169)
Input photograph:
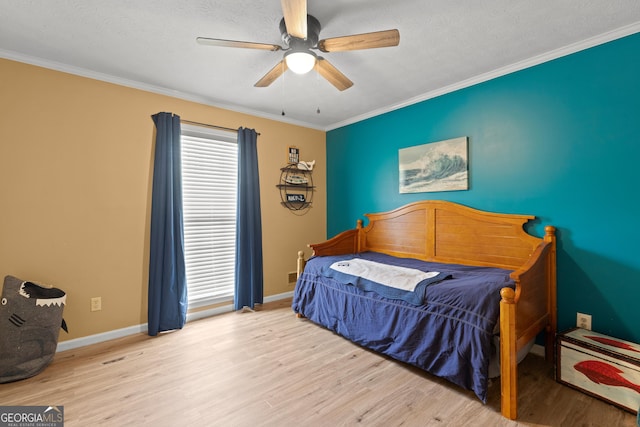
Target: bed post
point(508, 354)
point(301, 263)
point(550, 333)
point(360, 237)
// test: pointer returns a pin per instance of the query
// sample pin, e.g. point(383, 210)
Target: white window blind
point(209, 187)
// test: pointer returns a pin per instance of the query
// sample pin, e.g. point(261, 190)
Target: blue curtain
point(167, 309)
point(248, 278)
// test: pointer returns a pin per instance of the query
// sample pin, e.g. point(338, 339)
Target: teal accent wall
point(560, 140)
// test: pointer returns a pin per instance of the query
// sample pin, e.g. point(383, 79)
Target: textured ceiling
point(444, 45)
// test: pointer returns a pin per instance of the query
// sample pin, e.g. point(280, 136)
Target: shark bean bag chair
point(30, 320)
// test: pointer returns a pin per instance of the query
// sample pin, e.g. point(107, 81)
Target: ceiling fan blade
point(361, 41)
point(273, 74)
point(295, 17)
point(236, 43)
point(332, 74)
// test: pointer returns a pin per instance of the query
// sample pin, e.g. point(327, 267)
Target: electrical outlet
point(583, 321)
point(96, 303)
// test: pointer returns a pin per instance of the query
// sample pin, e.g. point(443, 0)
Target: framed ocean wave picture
point(437, 166)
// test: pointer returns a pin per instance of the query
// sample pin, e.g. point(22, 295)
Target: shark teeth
point(22, 292)
point(51, 301)
point(44, 302)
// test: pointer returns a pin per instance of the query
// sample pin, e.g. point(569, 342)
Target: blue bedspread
point(449, 335)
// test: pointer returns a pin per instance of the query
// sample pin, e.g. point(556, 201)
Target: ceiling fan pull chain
point(318, 88)
point(283, 77)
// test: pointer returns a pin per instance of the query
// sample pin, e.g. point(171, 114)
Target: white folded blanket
point(389, 275)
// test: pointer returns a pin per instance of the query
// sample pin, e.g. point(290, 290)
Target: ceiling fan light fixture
point(300, 61)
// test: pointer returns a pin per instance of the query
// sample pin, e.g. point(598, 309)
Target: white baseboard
point(97, 338)
point(138, 329)
point(277, 297)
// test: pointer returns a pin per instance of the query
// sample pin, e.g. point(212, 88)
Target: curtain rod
point(189, 122)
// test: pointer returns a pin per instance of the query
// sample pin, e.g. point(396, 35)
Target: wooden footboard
point(441, 231)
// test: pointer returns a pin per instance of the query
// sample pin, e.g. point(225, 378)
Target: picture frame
point(293, 155)
point(436, 166)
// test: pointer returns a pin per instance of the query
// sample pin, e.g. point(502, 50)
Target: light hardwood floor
point(269, 368)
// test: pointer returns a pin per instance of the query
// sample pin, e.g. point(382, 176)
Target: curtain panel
point(249, 274)
point(167, 306)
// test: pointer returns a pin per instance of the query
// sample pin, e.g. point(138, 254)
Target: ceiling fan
point(300, 35)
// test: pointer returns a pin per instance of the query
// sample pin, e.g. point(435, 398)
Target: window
point(209, 187)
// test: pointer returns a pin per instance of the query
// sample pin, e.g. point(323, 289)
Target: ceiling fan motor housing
point(313, 35)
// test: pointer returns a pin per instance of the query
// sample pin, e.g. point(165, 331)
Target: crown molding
point(134, 84)
point(521, 65)
point(527, 63)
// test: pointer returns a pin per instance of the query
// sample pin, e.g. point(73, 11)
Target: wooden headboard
point(440, 231)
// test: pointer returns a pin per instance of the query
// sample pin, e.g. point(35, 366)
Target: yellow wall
point(76, 159)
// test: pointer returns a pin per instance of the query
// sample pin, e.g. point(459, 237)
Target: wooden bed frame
point(447, 232)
